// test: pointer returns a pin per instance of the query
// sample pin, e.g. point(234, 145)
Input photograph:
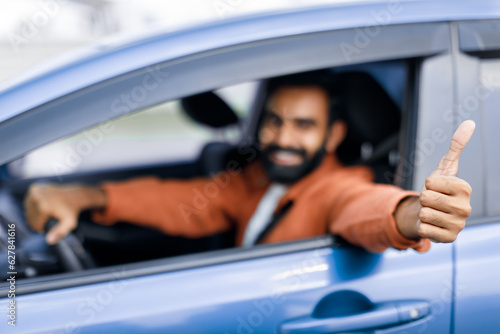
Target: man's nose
point(286, 137)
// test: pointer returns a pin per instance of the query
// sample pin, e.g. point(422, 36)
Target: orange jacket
point(331, 199)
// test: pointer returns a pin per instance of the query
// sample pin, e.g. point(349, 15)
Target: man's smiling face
point(294, 131)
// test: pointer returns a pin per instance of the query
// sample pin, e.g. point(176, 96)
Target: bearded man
point(295, 188)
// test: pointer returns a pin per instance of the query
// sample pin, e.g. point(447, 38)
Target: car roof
point(111, 58)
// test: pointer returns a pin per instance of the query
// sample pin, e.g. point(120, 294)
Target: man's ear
point(336, 135)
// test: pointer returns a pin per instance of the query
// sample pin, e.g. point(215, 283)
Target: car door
point(478, 248)
point(317, 285)
point(305, 287)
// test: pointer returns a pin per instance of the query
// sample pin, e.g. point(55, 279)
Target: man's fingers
point(441, 219)
point(437, 201)
point(445, 199)
point(450, 185)
point(449, 163)
point(59, 231)
point(435, 233)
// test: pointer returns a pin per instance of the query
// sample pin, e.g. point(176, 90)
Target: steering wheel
point(70, 251)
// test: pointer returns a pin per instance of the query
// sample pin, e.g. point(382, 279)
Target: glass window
point(157, 135)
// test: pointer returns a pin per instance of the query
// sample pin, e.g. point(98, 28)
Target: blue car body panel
point(254, 296)
point(477, 282)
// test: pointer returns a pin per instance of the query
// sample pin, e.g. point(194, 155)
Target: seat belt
point(263, 214)
point(274, 221)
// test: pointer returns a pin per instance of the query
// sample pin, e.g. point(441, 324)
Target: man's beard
point(290, 174)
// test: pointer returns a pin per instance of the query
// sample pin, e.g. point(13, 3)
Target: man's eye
point(304, 124)
point(273, 121)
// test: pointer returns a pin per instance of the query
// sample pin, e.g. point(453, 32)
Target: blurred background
point(32, 31)
point(37, 32)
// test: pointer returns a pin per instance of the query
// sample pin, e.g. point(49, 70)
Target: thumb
point(448, 166)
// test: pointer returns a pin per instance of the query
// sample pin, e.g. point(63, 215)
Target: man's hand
point(62, 203)
point(440, 212)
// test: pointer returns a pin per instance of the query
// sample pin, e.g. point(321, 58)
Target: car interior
point(374, 100)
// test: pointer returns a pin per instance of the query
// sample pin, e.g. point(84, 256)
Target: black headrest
point(370, 114)
point(209, 109)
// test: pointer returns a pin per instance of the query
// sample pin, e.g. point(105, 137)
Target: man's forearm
point(90, 197)
point(406, 216)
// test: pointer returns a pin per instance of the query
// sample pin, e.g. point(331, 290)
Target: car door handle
point(381, 315)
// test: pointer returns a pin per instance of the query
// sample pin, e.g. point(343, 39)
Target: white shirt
point(264, 213)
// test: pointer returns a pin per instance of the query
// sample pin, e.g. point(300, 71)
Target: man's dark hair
point(321, 78)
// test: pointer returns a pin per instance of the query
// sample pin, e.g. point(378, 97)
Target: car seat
point(373, 123)
point(210, 110)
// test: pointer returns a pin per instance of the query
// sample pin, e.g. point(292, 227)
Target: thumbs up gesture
point(444, 203)
point(445, 199)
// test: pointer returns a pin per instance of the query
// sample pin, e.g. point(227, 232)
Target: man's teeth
point(286, 156)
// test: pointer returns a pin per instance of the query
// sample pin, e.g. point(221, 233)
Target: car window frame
point(208, 71)
point(478, 40)
point(59, 281)
point(383, 49)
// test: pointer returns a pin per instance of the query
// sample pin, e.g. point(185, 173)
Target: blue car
point(176, 104)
